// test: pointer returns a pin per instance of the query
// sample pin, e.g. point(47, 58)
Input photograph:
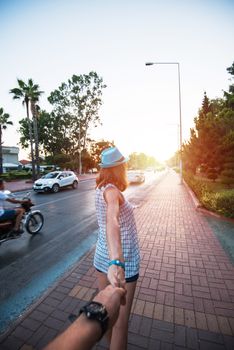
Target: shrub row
point(221, 202)
point(16, 175)
point(198, 186)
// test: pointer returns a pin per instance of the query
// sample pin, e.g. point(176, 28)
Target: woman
point(117, 253)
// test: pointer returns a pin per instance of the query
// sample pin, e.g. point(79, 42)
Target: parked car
point(55, 180)
point(136, 176)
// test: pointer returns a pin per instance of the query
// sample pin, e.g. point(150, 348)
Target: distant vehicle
point(55, 180)
point(47, 168)
point(43, 168)
point(92, 171)
point(136, 176)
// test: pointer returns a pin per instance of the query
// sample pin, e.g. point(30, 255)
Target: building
point(25, 162)
point(10, 158)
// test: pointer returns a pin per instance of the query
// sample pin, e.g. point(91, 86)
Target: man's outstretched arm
point(84, 333)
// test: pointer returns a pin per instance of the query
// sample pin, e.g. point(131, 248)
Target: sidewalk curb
point(201, 209)
point(22, 189)
point(192, 195)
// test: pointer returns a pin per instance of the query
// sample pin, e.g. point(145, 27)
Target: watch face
point(96, 311)
point(94, 308)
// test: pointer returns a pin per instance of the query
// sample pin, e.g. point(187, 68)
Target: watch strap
point(101, 317)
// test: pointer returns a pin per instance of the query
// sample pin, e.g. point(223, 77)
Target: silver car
point(55, 180)
point(136, 176)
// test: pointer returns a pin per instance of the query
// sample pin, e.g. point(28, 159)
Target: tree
point(230, 94)
point(54, 133)
point(174, 161)
point(211, 140)
point(212, 174)
point(206, 106)
point(4, 122)
point(29, 94)
point(96, 150)
point(58, 160)
point(141, 161)
point(35, 113)
point(205, 124)
point(80, 98)
point(227, 174)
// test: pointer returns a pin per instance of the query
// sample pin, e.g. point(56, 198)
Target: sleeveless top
point(128, 233)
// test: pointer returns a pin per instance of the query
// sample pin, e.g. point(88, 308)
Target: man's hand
point(111, 298)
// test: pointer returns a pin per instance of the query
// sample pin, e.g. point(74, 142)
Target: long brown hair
point(115, 175)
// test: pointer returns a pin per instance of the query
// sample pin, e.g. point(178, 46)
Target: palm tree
point(4, 121)
point(35, 113)
point(29, 94)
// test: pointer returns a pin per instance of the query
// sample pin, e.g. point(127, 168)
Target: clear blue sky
point(49, 41)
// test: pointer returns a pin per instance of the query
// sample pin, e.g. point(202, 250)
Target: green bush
point(176, 169)
point(198, 186)
point(222, 202)
point(227, 180)
point(227, 176)
point(16, 175)
point(5, 176)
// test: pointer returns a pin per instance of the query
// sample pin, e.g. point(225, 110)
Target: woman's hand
point(116, 276)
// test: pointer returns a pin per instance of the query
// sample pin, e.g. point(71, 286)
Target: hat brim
point(113, 165)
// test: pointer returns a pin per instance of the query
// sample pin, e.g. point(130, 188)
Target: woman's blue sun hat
point(112, 157)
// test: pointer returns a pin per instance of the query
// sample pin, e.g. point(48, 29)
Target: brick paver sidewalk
point(184, 297)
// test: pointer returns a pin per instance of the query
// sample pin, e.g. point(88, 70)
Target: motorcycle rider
point(11, 214)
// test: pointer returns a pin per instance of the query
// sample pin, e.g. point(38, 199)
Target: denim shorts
point(129, 279)
point(8, 214)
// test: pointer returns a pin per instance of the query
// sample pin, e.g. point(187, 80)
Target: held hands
point(116, 276)
point(111, 298)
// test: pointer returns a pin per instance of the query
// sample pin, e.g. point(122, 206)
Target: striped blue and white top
point(128, 233)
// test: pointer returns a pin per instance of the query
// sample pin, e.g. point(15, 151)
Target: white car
point(55, 180)
point(136, 176)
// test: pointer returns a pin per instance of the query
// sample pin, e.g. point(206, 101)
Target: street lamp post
point(180, 118)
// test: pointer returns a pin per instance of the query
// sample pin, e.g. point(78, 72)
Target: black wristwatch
point(96, 311)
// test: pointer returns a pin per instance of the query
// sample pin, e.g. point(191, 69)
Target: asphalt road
point(30, 264)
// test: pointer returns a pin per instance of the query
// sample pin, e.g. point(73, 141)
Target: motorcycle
point(32, 221)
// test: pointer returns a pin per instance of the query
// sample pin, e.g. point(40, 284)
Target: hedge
point(16, 175)
point(221, 202)
point(198, 186)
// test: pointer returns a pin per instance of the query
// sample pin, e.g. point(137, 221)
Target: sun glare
point(160, 142)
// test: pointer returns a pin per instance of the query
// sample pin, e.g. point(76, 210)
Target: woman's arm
point(115, 274)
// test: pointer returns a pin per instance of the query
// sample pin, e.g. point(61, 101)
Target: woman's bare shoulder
point(111, 194)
